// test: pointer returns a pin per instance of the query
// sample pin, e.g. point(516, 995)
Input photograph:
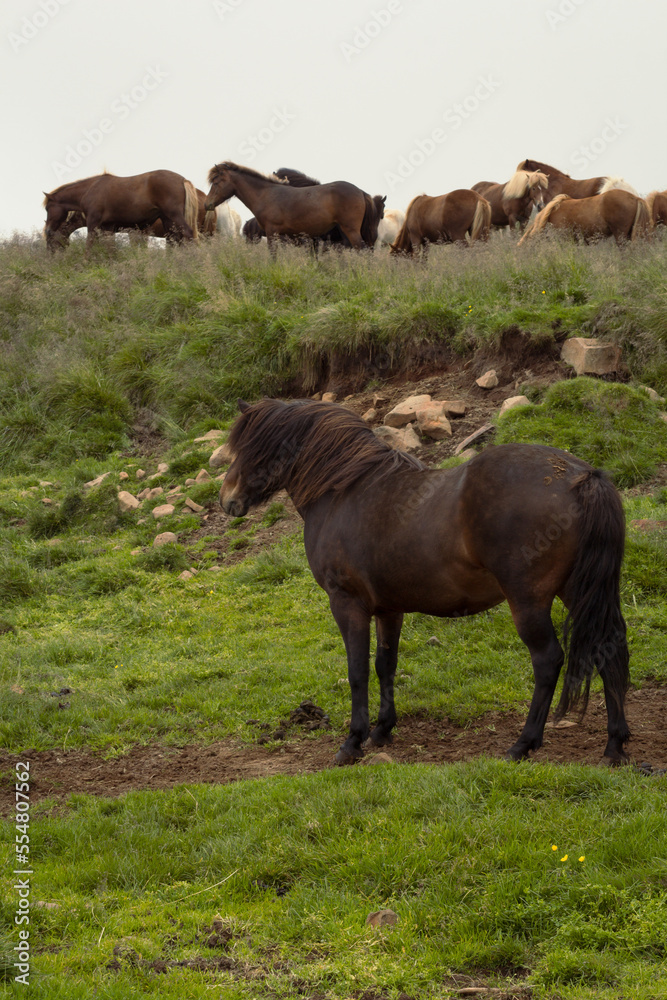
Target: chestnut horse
point(207, 223)
point(657, 207)
point(615, 213)
point(444, 219)
point(112, 204)
point(513, 202)
point(560, 183)
point(282, 209)
point(385, 535)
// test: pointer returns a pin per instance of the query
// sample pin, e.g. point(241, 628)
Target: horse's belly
point(439, 594)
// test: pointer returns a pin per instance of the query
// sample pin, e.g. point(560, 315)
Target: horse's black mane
point(295, 177)
point(215, 171)
point(313, 447)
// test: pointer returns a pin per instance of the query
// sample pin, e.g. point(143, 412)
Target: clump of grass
point(96, 508)
point(18, 580)
point(271, 567)
point(274, 512)
point(610, 425)
point(170, 556)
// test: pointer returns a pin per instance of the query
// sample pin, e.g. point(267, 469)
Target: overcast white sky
point(398, 96)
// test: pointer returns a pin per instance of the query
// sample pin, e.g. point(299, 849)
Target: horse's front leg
point(354, 623)
point(388, 630)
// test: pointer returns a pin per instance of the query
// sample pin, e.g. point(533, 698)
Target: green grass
point(552, 877)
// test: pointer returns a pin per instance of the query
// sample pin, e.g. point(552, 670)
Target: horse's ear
point(242, 405)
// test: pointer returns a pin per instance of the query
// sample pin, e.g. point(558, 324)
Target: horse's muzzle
point(235, 506)
point(209, 206)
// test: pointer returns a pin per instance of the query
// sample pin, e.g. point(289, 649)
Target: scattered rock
point(391, 436)
point(561, 724)
point(123, 476)
point(476, 436)
point(44, 484)
point(378, 758)
point(140, 473)
point(590, 356)
point(316, 395)
point(195, 507)
point(512, 403)
point(190, 482)
point(202, 476)
point(370, 415)
point(652, 394)
point(157, 491)
point(433, 641)
point(164, 538)
point(164, 510)
point(221, 456)
point(405, 412)
point(137, 552)
point(90, 484)
point(379, 399)
point(47, 500)
point(382, 918)
point(454, 408)
point(433, 423)
point(329, 397)
point(468, 454)
point(209, 436)
point(143, 494)
point(127, 502)
point(175, 492)
point(185, 575)
point(489, 380)
point(410, 439)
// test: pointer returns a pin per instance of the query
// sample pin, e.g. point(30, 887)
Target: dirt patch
point(417, 740)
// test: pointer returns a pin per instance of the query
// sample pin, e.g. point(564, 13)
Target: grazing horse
point(560, 183)
point(284, 210)
point(253, 231)
point(385, 535)
point(113, 204)
point(615, 213)
point(207, 223)
point(390, 226)
point(657, 207)
point(445, 219)
point(513, 202)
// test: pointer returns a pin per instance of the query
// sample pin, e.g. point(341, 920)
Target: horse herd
point(289, 205)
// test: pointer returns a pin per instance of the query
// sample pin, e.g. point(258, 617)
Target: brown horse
point(284, 210)
point(444, 219)
point(384, 535)
point(112, 204)
point(657, 207)
point(206, 223)
point(513, 202)
point(614, 213)
point(560, 183)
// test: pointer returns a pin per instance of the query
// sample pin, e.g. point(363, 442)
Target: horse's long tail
point(642, 223)
point(481, 220)
point(595, 631)
point(650, 204)
point(541, 219)
point(191, 210)
point(403, 242)
point(210, 226)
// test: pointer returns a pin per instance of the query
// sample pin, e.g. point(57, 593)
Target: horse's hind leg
point(388, 629)
point(536, 630)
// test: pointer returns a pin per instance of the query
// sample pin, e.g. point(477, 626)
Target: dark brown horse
point(615, 213)
point(112, 204)
point(560, 183)
point(512, 203)
point(285, 210)
point(384, 535)
point(445, 219)
point(656, 202)
point(206, 223)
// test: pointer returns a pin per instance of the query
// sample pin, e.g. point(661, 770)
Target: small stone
point(140, 473)
point(454, 408)
point(433, 641)
point(164, 538)
point(197, 508)
point(316, 396)
point(370, 415)
point(123, 476)
point(561, 724)
point(329, 397)
point(95, 482)
point(189, 482)
point(382, 918)
point(390, 435)
point(202, 476)
point(346, 399)
point(512, 403)
point(467, 454)
point(652, 394)
point(210, 436)
point(221, 456)
point(44, 483)
point(137, 552)
point(143, 494)
point(475, 437)
point(162, 468)
point(185, 575)
point(379, 399)
point(433, 424)
point(47, 500)
point(127, 502)
point(157, 491)
point(591, 356)
point(489, 380)
point(410, 439)
point(405, 412)
point(214, 569)
point(175, 492)
point(378, 758)
point(164, 510)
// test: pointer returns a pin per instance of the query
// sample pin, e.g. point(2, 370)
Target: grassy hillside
point(93, 346)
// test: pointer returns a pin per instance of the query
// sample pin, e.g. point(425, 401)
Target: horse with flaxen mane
point(615, 213)
point(656, 202)
point(384, 535)
point(560, 183)
point(113, 204)
point(447, 218)
point(512, 203)
point(282, 209)
point(206, 224)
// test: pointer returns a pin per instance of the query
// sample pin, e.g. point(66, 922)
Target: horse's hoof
point(343, 758)
point(379, 739)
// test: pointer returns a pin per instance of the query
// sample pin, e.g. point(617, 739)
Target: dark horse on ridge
point(384, 535)
point(285, 210)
